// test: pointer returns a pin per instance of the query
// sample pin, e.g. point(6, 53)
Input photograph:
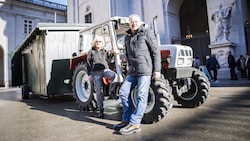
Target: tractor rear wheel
point(160, 101)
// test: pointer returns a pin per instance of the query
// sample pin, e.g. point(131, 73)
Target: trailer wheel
point(83, 88)
point(160, 101)
point(25, 91)
point(198, 93)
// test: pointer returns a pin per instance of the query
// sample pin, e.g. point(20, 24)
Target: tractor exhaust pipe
point(155, 31)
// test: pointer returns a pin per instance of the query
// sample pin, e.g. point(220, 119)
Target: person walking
point(232, 64)
point(144, 64)
point(248, 65)
point(196, 62)
point(241, 66)
point(210, 77)
point(97, 65)
point(214, 66)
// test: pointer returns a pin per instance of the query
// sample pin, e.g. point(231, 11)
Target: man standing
point(232, 64)
point(248, 65)
point(241, 66)
point(144, 62)
point(214, 66)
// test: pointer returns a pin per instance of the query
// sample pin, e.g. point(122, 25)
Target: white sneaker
point(216, 81)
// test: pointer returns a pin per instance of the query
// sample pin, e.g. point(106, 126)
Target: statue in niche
point(222, 18)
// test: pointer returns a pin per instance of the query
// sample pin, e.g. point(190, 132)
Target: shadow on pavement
point(226, 121)
point(65, 106)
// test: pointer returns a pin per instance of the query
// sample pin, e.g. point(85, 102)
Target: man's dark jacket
point(213, 64)
point(231, 61)
point(142, 52)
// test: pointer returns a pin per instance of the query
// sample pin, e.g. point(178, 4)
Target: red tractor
point(180, 81)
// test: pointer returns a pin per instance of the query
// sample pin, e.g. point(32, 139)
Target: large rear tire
point(83, 88)
point(160, 101)
point(198, 93)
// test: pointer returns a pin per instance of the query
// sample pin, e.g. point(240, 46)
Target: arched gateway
point(188, 24)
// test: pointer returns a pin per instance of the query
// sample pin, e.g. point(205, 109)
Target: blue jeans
point(143, 83)
point(97, 76)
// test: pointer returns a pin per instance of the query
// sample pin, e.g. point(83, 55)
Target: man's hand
point(157, 75)
point(90, 77)
point(115, 51)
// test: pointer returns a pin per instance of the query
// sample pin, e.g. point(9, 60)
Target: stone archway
point(172, 20)
point(189, 17)
point(1, 67)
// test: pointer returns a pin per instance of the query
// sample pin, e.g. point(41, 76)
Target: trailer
point(40, 64)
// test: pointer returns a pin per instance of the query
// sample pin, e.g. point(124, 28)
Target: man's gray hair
point(134, 15)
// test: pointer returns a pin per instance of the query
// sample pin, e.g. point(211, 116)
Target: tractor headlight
point(180, 61)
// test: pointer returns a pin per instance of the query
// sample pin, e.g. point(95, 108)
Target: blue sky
point(64, 2)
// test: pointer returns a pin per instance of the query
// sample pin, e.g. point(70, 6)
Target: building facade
point(197, 23)
point(17, 19)
point(208, 26)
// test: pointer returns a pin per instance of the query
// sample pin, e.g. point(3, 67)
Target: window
point(27, 26)
point(88, 18)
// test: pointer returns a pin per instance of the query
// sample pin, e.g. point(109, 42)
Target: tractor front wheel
point(83, 88)
point(198, 92)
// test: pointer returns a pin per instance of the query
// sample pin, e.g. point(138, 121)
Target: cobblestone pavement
point(223, 117)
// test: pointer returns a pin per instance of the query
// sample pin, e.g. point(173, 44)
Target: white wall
point(12, 14)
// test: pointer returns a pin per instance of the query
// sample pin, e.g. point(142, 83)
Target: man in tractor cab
point(97, 63)
point(144, 62)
